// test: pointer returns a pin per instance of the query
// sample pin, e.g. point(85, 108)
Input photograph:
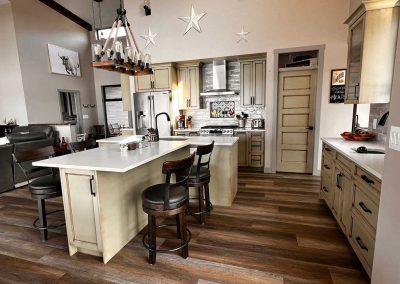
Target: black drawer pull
point(367, 179)
point(325, 189)
point(361, 244)
point(364, 207)
point(338, 181)
point(328, 150)
point(92, 192)
point(327, 167)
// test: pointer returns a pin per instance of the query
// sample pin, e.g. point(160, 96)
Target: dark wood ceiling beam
point(67, 13)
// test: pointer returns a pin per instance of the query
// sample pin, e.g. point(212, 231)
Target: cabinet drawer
point(256, 146)
point(366, 206)
point(367, 179)
point(328, 165)
point(363, 242)
point(328, 150)
point(327, 189)
point(345, 163)
point(256, 160)
point(253, 135)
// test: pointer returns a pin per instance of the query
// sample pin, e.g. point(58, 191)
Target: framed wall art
point(63, 61)
point(338, 86)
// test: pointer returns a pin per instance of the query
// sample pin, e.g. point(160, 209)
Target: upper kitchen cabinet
point(252, 83)
point(161, 80)
point(372, 45)
point(189, 85)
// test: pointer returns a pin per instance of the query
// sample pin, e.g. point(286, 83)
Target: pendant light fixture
point(114, 56)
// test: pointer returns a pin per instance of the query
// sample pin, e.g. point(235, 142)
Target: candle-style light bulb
point(129, 52)
point(109, 53)
point(97, 52)
point(119, 52)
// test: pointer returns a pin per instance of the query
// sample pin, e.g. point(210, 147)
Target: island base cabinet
point(81, 211)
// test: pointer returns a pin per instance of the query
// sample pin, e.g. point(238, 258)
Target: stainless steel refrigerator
point(146, 107)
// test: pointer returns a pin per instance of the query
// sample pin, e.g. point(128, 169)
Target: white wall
point(12, 100)
point(387, 247)
point(354, 5)
point(36, 25)
point(274, 24)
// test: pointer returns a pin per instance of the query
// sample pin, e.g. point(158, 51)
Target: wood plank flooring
point(277, 231)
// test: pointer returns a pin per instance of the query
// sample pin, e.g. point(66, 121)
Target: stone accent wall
point(201, 117)
point(376, 112)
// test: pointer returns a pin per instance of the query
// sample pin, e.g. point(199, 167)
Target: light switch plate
point(374, 123)
point(394, 141)
point(85, 116)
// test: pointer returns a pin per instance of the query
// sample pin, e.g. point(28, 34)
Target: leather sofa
point(22, 138)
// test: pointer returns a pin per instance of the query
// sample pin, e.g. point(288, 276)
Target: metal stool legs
point(42, 220)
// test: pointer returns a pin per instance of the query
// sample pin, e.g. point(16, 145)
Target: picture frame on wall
point(338, 86)
point(63, 61)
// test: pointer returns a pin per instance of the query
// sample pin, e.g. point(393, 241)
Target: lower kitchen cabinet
point(352, 194)
point(251, 149)
point(82, 209)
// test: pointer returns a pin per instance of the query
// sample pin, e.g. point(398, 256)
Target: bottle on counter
point(63, 146)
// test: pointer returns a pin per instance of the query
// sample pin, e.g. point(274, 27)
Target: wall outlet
point(394, 141)
point(374, 123)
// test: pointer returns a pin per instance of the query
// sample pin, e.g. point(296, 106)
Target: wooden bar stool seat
point(42, 187)
point(199, 178)
point(168, 199)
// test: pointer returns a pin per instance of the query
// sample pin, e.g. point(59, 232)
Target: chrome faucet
point(161, 113)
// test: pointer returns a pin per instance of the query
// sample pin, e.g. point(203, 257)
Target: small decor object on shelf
point(192, 21)
point(63, 61)
point(112, 56)
point(242, 35)
point(149, 38)
point(338, 86)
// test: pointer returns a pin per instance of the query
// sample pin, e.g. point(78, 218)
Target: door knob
point(310, 128)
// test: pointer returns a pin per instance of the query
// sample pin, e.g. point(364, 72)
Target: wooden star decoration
point(242, 35)
point(149, 38)
point(192, 21)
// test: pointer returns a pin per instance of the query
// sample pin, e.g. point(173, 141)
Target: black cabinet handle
point(92, 192)
point(328, 150)
point(325, 189)
point(327, 167)
point(361, 244)
point(310, 128)
point(338, 181)
point(355, 90)
point(364, 207)
point(367, 179)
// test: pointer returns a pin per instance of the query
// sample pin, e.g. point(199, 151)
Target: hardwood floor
point(277, 231)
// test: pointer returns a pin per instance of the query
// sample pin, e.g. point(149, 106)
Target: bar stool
point(199, 177)
point(168, 199)
point(42, 187)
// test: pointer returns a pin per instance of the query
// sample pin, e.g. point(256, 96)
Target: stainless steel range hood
point(219, 80)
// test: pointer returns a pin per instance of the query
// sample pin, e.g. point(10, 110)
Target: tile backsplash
point(202, 117)
point(376, 112)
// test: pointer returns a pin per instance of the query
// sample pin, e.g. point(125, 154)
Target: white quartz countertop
point(187, 130)
point(121, 139)
point(373, 163)
point(111, 159)
point(249, 130)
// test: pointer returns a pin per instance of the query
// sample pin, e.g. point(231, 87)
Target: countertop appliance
point(146, 107)
point(218, 130)
point(258, 123)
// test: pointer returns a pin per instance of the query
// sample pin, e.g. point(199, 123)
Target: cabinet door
point(337, 194)
point(143, 83)
point(246, 84)
point(183, 97)
point(259, 83)
point(242, 149)
point(256, 160)
point(356, 39)
point(83, 208)
point(162, 78)
point(193, 87)
point(347, 202)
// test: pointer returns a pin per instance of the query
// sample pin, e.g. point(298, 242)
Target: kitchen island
point(102, 191)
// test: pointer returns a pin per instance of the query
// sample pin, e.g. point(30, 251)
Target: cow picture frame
point(63, 61)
